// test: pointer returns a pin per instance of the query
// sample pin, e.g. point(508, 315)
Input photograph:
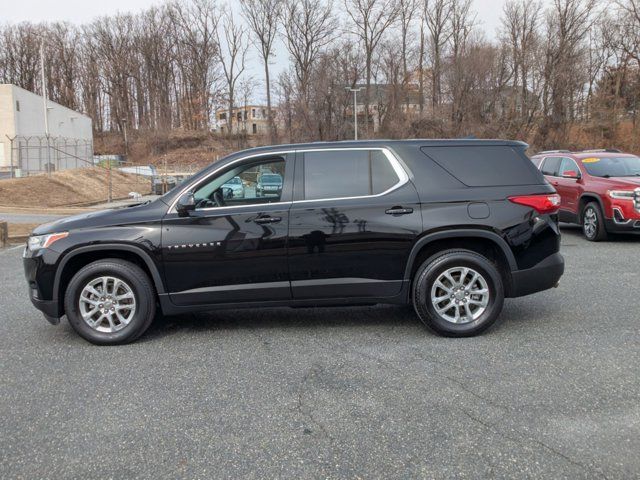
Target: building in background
point(381, 97)
point(24, 146)
point(249, 120)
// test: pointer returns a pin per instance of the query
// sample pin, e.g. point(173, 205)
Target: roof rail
point(602, 150)
point(553, 151)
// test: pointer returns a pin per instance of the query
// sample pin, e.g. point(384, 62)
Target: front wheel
point(110, 302)
point(593, 223)
point(458, 293)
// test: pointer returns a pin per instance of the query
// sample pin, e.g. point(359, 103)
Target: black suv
point(451, 226)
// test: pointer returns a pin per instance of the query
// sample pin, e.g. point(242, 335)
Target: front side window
point(247, 184)
point(347, 173)
point(550, 166)
point(612, 166)
point(568, 165)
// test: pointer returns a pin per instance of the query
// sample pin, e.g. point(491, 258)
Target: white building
point(249, 119)
point(23, 141)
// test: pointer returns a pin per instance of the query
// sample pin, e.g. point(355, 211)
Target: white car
point(236, 186)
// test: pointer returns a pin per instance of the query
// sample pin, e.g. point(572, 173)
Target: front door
point(352, 224)
point(568, 188)
point(233, 246)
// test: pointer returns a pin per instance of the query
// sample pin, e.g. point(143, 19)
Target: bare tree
point(437, 14)
point(196, 26)
point(233, 43)
point(461, 21)
point(629, 20)
point(520, 24)
point(568, 23)
point(309, 26)
point(263, 17)
point(567, 75)
point(370, 19)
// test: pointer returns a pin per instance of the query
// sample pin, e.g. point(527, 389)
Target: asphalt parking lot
point(553, 391)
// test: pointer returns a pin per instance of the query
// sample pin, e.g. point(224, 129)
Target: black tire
point(598, 233)
point(430, 271)
point(142, 289)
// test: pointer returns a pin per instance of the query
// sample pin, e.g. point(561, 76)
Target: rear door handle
point(263, 220)
point(398, 211)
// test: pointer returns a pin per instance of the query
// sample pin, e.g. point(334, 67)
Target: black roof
point(461, 142)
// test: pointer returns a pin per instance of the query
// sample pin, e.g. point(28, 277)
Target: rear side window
point(485, 166)
point(347, 173)
point(551, 166)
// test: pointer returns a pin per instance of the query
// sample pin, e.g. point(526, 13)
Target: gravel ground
point(553, 391)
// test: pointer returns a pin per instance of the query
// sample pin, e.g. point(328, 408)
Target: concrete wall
point(29, 119)
point(7, 123)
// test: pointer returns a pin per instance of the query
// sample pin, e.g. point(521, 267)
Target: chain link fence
point(35, 155)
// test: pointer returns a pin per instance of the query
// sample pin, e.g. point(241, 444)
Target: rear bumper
point(543, 276)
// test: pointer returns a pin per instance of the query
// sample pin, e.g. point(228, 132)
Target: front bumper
point(627, 226)
point(39, 271)
point(543, 276)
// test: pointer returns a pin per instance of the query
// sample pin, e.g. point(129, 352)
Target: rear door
point(353, 221)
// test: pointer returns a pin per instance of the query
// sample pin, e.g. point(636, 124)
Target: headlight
point(622, 194)
point(37, 242)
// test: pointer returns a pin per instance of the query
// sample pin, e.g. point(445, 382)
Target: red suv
point(600, 189)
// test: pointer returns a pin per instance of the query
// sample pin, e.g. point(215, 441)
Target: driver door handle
point(267, 219)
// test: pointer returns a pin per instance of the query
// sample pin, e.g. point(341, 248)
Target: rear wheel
point(593, 223)
point(458, 293)
point(110, 302)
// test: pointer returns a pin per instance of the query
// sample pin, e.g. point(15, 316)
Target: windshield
point(271, 179)
point(234, 181)
point(612, 166)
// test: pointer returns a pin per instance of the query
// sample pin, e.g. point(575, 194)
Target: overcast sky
point(79, 11)
point(83, 11)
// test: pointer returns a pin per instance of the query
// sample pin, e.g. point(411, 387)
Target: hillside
point(69, 187)
point(178, 148)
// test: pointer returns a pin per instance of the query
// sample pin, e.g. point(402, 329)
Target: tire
point(593, 226)
point(484, 308)
point(136, 302)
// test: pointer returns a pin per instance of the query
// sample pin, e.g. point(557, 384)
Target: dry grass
point(69, 187)
point(18, 231)
point(178, 148)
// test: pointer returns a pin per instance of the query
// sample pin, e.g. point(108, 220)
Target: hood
point(624, 182)
point(137, 213)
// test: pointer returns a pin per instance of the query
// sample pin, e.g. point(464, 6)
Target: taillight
point(543, 204)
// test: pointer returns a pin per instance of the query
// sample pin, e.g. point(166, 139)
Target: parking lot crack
point(303, 409)
point(492, 427)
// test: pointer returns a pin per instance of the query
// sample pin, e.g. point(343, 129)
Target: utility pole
point(110, 194)
point(45, 105)
point(355, 109)
point(126, 143)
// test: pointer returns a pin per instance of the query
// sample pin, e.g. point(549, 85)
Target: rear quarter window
point(480, 166)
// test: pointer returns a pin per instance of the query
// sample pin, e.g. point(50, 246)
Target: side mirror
point(571, 174)
point(227, 193)
point(186, 203)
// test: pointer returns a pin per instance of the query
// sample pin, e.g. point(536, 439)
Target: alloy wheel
point(590, 223)
point(107, 304)
point(460, 295)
